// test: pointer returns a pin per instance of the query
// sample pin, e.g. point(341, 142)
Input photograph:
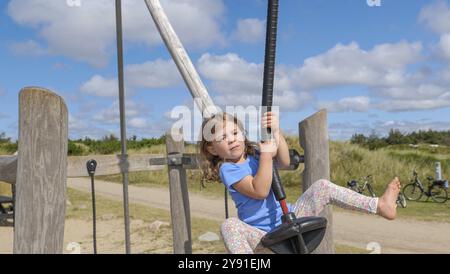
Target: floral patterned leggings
point(241, 238)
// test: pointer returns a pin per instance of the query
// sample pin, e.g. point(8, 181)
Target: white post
point(438, 172)
point(181, 58)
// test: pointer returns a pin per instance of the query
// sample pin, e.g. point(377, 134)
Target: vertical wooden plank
point(179, 198)
point(41, 172)
point(314, 140)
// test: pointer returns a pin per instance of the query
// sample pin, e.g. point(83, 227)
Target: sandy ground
point(352, 229)
point(110, 238)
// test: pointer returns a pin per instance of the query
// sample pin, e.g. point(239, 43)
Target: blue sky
point(373, 68)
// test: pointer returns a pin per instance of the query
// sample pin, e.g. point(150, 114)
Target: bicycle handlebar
point(367, 177)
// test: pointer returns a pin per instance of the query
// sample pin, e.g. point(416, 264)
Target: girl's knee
point(230, 224)
point(321, 184)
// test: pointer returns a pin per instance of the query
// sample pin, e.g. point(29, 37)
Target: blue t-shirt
point(263, 214)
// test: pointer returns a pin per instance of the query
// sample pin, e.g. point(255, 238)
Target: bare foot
point(387, 203)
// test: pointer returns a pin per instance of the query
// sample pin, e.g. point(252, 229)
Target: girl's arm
point(283, 159)
point(258, 187)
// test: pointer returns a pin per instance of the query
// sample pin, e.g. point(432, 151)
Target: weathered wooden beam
point(314, 140)
point(179, 198)
point(110, 164)
point(181, 58)
point(41, 172)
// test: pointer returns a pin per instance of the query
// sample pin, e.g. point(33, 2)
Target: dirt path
point(353, 229)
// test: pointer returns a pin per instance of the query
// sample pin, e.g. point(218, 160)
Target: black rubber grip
point(269, 60)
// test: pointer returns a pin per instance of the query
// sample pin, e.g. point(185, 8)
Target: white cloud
point(444, 75)
point(81, 128)
point(443, 47)
point(77, 124)
point(239, 82)
point(230, 67)
point(437, 17)
point(250, 30)
point(357, 104)
point(155, 74)
point(416, 90)
point(74, 32)
point(111, 115)
point(415, 104)
point(27, 48)
point(382, 70)
point(100, 86)
point(78, 33)
point(350, 65)
point(138, 122)
point(416, 94)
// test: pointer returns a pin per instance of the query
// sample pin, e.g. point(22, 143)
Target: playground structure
point(41, 168)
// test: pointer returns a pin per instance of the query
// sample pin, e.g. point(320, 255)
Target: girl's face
point(229, 142)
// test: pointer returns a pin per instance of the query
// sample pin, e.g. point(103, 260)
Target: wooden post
point(179, 198)
point(314, 140)
point(41, 172)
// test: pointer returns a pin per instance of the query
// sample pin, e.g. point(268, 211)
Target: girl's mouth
point(235, 147)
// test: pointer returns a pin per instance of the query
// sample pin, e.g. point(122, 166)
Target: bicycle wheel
point(412, 192)
point(439, 194)
point(401, 200)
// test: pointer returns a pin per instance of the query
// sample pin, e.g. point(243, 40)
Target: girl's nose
point(231, 139)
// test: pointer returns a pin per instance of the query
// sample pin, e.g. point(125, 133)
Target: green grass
point(5, 189)
point(426, 211)
point(8, 148)
point(345, 249)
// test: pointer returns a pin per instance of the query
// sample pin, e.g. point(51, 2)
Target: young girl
point(229, 156)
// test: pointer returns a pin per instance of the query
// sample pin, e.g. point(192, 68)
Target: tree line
point(108, 144)
point(395, 137)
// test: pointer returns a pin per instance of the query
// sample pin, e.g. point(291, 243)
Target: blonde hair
point(209, 163)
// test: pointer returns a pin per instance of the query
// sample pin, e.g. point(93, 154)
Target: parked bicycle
point(437, 189)
point(360, 188)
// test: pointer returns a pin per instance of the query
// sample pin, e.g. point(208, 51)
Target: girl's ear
point(211, 150)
